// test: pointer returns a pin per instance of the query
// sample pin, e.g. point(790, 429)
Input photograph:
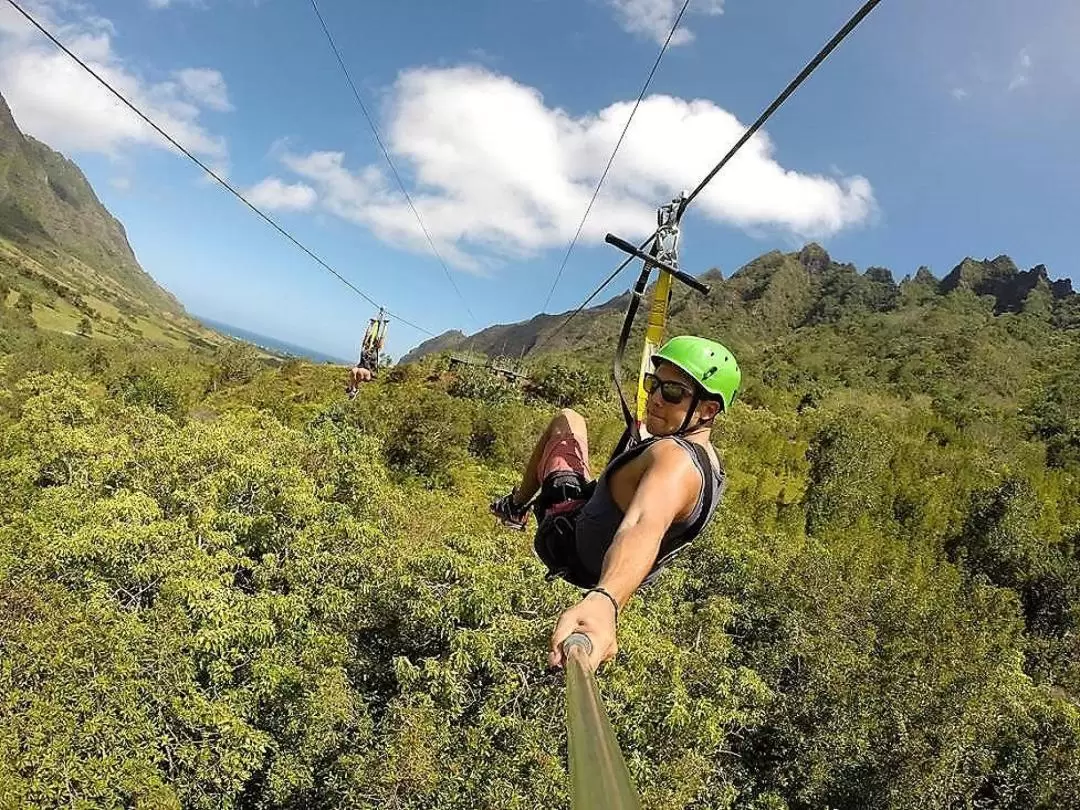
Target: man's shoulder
point(670, 452)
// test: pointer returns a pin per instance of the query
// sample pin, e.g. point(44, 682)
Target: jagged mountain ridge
point(1002, 279)
point(780, 292)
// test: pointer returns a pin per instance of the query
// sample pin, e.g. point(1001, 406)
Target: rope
point(591, 296)
point(611, 160)
point(813, 65)
point(224, 183)
point(386, 154)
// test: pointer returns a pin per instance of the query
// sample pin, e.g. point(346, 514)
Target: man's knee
point(568, 420)
point(571, 417)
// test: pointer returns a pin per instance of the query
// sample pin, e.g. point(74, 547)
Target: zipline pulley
point(662, 254)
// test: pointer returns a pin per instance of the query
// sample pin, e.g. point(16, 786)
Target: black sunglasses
point(672, 391)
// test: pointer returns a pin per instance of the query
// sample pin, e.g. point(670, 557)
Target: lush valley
point(223, 584)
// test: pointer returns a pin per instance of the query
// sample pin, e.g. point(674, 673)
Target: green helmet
point(710, 364)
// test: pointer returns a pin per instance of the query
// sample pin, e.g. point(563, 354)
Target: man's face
point(662, 417)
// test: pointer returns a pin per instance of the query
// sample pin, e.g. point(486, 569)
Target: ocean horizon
point(270, 343)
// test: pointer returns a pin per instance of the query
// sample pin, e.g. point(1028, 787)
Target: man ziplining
point(613, 534)
point(368, 365)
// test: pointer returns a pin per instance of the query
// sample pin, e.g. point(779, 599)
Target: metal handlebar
point(685, 278)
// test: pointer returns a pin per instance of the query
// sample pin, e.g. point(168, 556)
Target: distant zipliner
point(367, 367)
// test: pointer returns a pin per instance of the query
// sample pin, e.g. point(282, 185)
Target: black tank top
point(601, 516)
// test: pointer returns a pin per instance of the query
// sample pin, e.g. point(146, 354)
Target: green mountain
point(777, 293)
point(66, 260)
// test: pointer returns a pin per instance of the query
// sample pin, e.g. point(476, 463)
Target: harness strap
point(638, 292)
point(560, 487)
point(622, 445)
point(709, 495)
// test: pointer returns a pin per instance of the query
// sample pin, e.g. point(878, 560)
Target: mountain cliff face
point(49, 211)
point(1009, 286)
point(780, 292)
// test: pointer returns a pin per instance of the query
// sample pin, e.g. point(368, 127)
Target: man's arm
point(662, 493)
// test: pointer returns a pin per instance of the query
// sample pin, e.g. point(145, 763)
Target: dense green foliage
point(222, 584)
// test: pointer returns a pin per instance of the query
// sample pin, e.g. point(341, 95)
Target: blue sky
point(939, 130)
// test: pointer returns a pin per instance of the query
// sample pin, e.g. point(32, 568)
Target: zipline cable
point(224, 183)
point(389, 161)
point(615, 151)
point(813, 65)
point(589, 298)
point(822, 55)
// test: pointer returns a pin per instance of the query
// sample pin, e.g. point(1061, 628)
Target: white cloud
point(481, 55)
point(1021, 70)
point(57, 102)
point(497, 174)
point(276, 195)
point(654, 18)
point(197, 4)
point(959, 93)
point(206, 87)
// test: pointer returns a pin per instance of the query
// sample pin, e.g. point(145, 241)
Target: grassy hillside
point(68, 259)
point(225, 585)
point(62, 294)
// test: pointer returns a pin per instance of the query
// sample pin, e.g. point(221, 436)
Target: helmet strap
point(694, 402)
point(686, 428)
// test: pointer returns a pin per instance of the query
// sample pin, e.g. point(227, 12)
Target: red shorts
point(565, 453)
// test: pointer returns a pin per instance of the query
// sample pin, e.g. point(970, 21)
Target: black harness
point(369, 360)
point(556, 537)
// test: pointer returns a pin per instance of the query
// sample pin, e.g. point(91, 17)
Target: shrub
point(430, 438)
point(482, 384)
point(566, 386)
point(150, 388)
point(234, 364)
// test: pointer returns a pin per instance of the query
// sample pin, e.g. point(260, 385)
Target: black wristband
point(614, 602)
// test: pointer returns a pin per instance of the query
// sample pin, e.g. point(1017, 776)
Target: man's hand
point(595, 617)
